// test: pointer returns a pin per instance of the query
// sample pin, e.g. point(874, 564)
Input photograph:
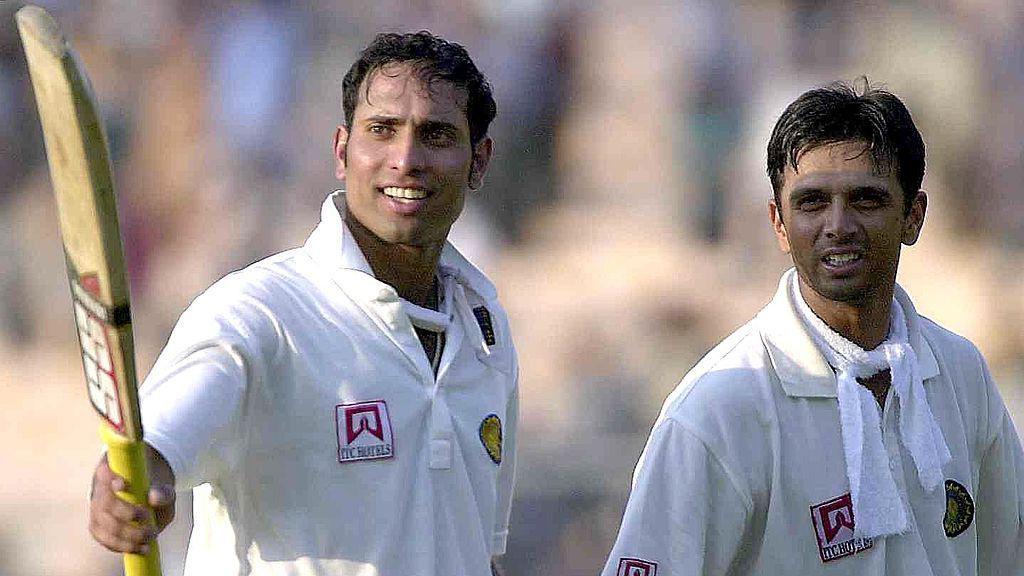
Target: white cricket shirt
point(744, 472)
point(295, 398)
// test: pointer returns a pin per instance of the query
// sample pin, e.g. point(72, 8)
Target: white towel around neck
point(878, 507)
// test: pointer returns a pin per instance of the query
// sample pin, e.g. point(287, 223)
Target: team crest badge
point(636, 567)
point(959, 509)
point(490, 435)
point(364, 431)
point(833, 526)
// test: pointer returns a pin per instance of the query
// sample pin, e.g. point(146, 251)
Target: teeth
point(406, 193)
point(842, 258)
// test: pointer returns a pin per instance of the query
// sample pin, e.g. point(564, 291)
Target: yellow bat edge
point(80, 171)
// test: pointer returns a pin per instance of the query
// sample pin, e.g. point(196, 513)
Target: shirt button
point(440, 454)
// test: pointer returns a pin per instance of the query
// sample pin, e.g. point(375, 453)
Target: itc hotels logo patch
point(364, 431)
point(636, 567)
point(833, 525)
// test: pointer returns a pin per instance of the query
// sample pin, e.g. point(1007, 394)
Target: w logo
point(834, 527)
point(362, 418)
point(364, 431)
point(636, 567)
point(835, 515)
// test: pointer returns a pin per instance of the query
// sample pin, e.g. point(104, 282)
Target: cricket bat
point(80, 170)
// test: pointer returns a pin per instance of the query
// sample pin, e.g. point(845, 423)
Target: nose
point(840, 221)
point(406, 154)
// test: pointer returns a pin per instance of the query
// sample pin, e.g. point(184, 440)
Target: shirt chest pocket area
point(476, 397)
point(481, 426)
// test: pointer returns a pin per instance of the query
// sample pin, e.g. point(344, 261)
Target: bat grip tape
point(127, 459)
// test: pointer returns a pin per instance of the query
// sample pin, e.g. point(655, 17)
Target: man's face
point(842, 221)
point(407, 160)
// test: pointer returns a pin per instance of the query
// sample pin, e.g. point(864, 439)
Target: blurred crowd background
point(623, 219)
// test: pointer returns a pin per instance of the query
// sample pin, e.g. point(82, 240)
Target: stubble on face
point(407, 134)
point(842, 220)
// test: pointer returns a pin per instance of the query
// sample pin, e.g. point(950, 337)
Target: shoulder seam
point(705, 370)
point(748, 501)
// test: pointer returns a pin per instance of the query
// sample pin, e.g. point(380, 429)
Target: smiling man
point(838, 432)
point(348, 407)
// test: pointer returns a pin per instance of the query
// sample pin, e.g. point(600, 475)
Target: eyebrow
point(872, 190)
point(382, 119)
point(439, 125)
point(800, 192)
point(395, 120)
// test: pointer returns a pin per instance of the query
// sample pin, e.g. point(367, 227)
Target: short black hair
point(433, 59)
point(839, 113)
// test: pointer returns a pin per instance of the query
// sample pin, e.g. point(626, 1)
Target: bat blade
point(80, 171)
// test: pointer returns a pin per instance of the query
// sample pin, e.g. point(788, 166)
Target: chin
point(406, 237)
point(845, 296)
point(847, 293)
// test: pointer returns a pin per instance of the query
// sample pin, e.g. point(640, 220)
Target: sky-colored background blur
point(623, 218)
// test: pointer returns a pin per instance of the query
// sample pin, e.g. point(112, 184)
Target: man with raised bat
point(349, 406)
point(839, 432)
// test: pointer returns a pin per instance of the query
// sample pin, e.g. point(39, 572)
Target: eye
point(439, 137)
point(811, 202)
point(869, 200)
point(380, 129)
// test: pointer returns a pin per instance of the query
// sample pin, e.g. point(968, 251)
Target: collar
point(332, 246)
point(801, 367)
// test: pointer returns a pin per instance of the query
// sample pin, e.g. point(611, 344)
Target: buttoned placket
point(891, 441)
point(913, 543)
point(441, 428)
point(462, 323)
point(441, 424)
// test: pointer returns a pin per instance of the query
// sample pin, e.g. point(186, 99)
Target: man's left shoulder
point(948, 346)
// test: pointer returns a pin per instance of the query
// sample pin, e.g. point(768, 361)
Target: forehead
point(838, 165)
point(401, 89)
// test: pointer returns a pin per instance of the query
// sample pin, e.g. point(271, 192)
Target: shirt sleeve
point(1000, 497)
point(190, 413)
point(192, 402)
point(685, 515)
point(506, 473)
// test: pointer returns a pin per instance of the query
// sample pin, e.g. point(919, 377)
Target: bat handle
point(127, 459)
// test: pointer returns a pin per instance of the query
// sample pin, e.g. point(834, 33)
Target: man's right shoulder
point(252, 302)
point(729, 381)
point(264, 281)
point(247, 308)
point(726, 402)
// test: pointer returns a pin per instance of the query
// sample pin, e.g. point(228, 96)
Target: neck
point(866, 323)
point(410, 270)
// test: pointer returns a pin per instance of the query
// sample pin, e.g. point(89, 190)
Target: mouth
point(405, 195)
point(842, 260)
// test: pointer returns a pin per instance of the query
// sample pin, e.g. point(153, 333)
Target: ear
point(915, 219)
point(340, 142)
point(781, 236)
point(481, 159)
